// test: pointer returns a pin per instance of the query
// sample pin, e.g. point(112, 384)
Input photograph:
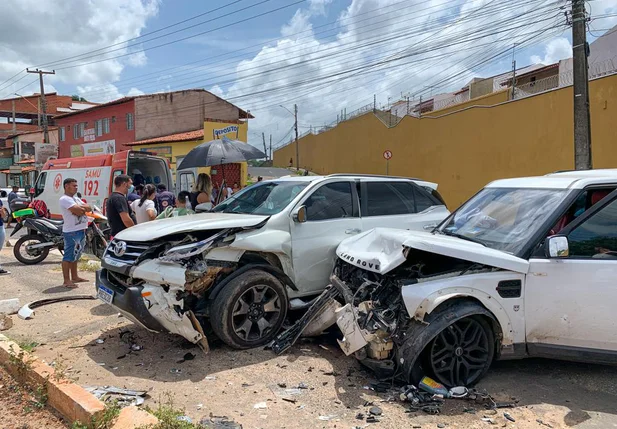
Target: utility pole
point(13, 115)
point(296, 128)
point(513, 71)
point(582, 119)
point(43, 102)
point(270, 147)
point(263, 136)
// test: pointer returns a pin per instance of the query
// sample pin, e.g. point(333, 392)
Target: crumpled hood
point(381, 250)
point(198, 222)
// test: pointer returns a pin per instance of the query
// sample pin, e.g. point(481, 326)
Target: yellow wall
point(465, 150)
point(180, 149)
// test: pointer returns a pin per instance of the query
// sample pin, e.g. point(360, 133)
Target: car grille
point(132, 252)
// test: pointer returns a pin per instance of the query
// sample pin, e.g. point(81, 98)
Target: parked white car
point(526, 267)
point(269, 247)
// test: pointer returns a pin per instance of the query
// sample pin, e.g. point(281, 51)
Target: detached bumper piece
point(130, 303)
point(288, 338)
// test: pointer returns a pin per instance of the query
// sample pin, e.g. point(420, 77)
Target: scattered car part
point(27, 311)
point(509, 417)
point(124, 397)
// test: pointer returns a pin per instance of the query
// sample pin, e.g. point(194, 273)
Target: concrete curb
point(70, 400)
point(73, 402)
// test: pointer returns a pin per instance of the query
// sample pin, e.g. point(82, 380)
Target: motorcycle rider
point(74, 231)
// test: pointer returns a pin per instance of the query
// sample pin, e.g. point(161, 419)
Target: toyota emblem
point(120, 248)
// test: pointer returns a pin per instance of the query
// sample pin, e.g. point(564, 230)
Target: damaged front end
point(372, 314)
point(166, 285)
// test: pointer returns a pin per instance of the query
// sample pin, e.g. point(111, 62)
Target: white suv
point(268, 248)
point(526, 267)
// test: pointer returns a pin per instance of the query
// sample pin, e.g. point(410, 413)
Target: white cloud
point(134, 91)
point(37, 32)
point(555, 50)
point(313, 71)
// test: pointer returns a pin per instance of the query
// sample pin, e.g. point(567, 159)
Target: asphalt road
point(229, 382)
point(268, 172)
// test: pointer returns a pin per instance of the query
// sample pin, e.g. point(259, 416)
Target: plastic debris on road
point(124, 397)
point(260, 406)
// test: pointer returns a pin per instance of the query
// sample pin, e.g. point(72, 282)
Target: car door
point(399, 204)
point(570, 301)
point(332, 214)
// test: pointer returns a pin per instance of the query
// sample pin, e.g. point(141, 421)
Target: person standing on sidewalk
point(74, 231)
point(2, 235)
point(119, 214)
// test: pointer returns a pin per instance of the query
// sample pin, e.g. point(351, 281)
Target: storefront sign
point(164, 151)
point(217, 134)
point(97, 148)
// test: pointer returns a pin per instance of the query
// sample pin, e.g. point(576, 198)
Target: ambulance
point(95, 174)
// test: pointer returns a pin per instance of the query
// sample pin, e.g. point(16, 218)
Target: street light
point(295, 114)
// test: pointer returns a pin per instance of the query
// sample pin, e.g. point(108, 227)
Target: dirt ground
point(243, 385)
point(21, 409)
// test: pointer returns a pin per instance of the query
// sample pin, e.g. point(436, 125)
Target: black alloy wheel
point(256, 312)
point(462, 352)
point(250, 310)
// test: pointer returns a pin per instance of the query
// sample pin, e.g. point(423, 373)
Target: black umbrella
point(216, 152)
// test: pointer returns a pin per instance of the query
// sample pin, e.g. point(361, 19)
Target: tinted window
point(423, 200)
point(331, 201)
point(385, 198)
point(597, 236)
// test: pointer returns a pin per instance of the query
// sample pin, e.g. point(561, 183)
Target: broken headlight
point(191, 249)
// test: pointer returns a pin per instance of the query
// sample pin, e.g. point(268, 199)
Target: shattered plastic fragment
point(327, 418)
point(260, 406)
point(184, 419)
point(509, 417)
point(458, 392)
point(175, 371)
point(99, 341)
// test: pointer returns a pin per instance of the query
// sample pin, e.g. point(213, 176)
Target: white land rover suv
point(269, 247)
point(526, 267)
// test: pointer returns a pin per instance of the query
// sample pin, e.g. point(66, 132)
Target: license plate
point(105, 295)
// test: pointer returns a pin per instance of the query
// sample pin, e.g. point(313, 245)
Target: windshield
point(264, 198)
point(503, 219)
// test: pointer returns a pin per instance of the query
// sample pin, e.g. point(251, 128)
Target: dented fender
point(422, 299)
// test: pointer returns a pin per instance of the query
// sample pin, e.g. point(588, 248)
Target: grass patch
point(27, 345)
point(168, 415)
point(104, 420)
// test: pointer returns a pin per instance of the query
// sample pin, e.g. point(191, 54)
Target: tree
point(75, 97)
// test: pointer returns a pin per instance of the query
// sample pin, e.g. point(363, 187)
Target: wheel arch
point(421, 333)
point(501, 321)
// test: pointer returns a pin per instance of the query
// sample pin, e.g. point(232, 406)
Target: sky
point(330, 57)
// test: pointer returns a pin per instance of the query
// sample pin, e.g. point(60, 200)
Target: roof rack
point(371, 175)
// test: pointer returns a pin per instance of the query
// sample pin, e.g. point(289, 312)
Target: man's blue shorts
point(74, 243)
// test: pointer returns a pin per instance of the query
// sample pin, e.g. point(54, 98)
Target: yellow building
point(464, 147)
point(175, 147)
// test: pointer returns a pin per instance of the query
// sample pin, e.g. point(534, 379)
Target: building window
point(129, 121)
point(62, 134)
point(106, 125)
point(98, 127)
point(75, 131)
point(82, 127)
point(113, 119)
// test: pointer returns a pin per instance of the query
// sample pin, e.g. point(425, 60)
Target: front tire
point(461, 353)
point(32, 257)
point(250, 310)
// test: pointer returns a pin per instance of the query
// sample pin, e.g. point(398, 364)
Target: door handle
point(353, 231)
point(430, 226)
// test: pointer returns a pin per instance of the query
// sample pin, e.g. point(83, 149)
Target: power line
point(188, 37)
point(147, 34)
point(346, 52)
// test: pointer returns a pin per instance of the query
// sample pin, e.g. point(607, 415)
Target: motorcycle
point(46, 234)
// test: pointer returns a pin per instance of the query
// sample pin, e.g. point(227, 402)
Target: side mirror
point(299, 215)
point(557, 247)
